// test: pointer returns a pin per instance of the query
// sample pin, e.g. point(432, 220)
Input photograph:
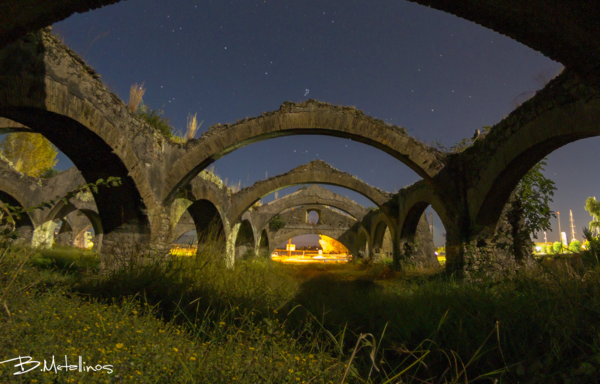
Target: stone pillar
point(129, 244)
point(396, 252)
point(97, 240)
point(257, 244)
point(230, 245)
point(65, 239)
point(419, 249)
point(25, 235)
point(455, 262)
point(43, 235)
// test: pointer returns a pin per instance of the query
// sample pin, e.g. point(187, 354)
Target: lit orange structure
point(333, 252)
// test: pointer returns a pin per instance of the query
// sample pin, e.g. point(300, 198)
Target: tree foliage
point(535, 193)
point(155, 119)
point(276, 223)
point(529, 210)
point(575, 246)
point(557, 247)
point(30, 153)
point(593, 207)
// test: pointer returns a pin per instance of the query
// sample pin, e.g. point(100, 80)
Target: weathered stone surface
point(561, 113)
point(311, 195)
point(317, 171)
point(310, 117)
point(331, 223)
point(47, 88)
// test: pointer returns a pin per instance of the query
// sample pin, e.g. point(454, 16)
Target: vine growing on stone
point(10, 214)
point(276, 223)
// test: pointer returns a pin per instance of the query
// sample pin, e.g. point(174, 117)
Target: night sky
point(439, 76)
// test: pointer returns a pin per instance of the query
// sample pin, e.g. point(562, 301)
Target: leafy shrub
point(575, 246)
point(155, 119)
point(557, 247)
point(544, 248)
point(48, 173)
point(276, 223)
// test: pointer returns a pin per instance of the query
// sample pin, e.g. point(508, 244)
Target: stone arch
point(87, 208)
point(263, 245)
point(512, 156)
point(415, 231)
point(78, 237)
point(210, 227)
point(18, 189)
point(9, 199)
point(96, 224)
point(413, 225)
point(62, 211)
point(245, 243)
point(382, 240)
point(204, 187)
point(363, 243)
point(313, 195)
point(413, 201)
point(62, 208)
point(20, 18)
point(119, 205)
point(310, 117)
point(65, 233)
point(10, 194)
point(24, 224)
point(312, 219)
point(38, 93)
point(316, 171)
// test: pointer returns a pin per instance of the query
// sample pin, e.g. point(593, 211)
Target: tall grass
point(136, 93)
point(190, 319)
point(538, 327)
point(192, 126)
point(181, 335)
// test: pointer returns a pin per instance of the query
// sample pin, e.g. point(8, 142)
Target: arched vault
point(313, 195)
point(309, 118)
point(315, 172)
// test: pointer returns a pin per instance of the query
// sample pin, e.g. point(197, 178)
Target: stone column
point(230, 245)
point(97, 240)
point(130, 244)
point(455, 262)
point(43, 235)
point(396, 252)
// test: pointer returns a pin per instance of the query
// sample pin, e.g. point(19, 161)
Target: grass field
point(192, 320)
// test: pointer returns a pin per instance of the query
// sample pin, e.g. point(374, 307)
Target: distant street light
point(559, 231)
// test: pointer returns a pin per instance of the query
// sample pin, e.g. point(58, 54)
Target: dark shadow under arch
point(94, 159)
point(23, 220)
point(363, 244)
point(244, 242)
point(263, 245)
point(382, 241)
point(209, 226)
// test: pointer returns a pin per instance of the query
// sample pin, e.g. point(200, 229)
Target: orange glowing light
point(332, 246)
